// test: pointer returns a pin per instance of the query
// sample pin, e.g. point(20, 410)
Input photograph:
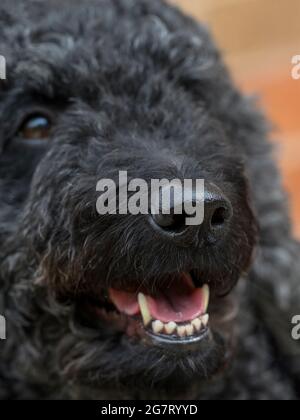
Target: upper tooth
point(206, 294)
point(170, 327)
point(147, 318)
point(189, 329)
point(205, 320)
point(197, 324)
point(157, 326)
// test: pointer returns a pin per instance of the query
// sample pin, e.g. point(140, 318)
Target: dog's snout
point(176, 221)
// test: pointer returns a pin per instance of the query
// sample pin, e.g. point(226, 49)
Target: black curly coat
point(134, 85)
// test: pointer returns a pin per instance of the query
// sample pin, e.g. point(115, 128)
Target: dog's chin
point(180, 333)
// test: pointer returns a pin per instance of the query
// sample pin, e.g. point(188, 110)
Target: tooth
point(206, 294)
point(181, 331)
point(170, 327)
point(205, 319)
point(147, 318)
point(197, 324)
point(157, 327)
point(189, 329)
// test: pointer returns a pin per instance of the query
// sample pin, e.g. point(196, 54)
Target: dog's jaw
point(176, 314)
point(174, 318)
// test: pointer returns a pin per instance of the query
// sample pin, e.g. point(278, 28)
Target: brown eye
point(36, 127)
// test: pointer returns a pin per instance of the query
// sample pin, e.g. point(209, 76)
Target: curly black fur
point(133, 85)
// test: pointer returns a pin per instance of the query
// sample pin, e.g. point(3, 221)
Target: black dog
point(103, 86)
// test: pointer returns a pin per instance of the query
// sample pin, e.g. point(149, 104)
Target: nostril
point(219, 217)
point(170, 222)
point(178, 222)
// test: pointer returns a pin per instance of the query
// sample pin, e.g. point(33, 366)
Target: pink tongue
point(178, 303)
point(172, 306)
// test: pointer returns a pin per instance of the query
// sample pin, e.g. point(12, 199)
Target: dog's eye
point(35, 127)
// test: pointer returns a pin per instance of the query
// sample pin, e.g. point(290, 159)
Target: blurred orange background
point(259, 39)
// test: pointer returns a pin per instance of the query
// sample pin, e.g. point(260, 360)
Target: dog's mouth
point(177, 313)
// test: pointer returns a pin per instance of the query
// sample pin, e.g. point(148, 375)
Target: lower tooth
point(157, 327)
point(181, 331)
point(189, 329)
point(170, 327)
point(205, 319)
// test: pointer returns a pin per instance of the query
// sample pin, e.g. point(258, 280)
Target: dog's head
point(120, 300)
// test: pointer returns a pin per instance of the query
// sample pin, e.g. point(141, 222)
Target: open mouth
point(175, 314)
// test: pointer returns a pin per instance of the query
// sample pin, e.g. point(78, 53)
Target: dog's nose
point(217, 213)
